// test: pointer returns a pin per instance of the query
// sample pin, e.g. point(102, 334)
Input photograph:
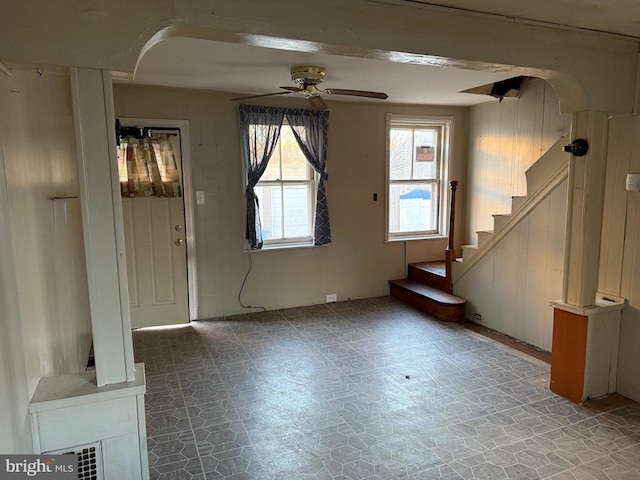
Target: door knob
point(179, 242)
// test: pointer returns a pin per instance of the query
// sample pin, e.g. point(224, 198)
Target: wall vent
point(89, 461)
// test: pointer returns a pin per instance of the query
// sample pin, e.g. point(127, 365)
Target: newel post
point(450, 253)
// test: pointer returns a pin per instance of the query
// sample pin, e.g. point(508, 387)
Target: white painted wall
point(357, 264)
point(504, 140)
point(98, 35)
point(511, 287)
point(620, 247)
point(45, 320)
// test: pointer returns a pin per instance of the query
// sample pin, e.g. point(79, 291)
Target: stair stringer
point(543, 177)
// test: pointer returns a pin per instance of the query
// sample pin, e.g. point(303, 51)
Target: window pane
point(294, 221)
point(294, 163)
point(426, 154)
point(273, 168)
point(296, 211)
point(400, 153)
point(412, 207)
point(270, 198)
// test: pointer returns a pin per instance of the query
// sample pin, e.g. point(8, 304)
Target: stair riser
point(446, 313)
point(517, 202)
point(499, 221)
point(428, 278)
point(483, 237)
point(469, 251)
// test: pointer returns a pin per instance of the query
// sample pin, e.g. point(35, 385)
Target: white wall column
point(586, 325)
point(102, 223)
point(584, 217)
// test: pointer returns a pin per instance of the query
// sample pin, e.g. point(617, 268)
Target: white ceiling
point(227, 67)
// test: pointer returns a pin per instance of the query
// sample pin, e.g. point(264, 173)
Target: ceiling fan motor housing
point(305, 75)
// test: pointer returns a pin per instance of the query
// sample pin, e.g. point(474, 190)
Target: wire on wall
point(243, 284)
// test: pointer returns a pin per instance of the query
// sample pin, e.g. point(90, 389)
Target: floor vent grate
point(89, 461)
point(88, 464)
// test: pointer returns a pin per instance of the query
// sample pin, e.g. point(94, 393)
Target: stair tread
point(437, 267)
point(427, 291)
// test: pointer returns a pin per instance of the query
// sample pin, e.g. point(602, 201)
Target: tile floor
point(367, 389)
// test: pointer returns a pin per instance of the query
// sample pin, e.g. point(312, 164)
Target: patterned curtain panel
point(260, 131)
point(311, 131)
point(148, 168)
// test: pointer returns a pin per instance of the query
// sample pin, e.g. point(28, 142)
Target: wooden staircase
point(423, 289)
point(542, 178)
point(428, 286)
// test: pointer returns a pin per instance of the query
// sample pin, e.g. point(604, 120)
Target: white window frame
point(445, 150)
point(287, 242)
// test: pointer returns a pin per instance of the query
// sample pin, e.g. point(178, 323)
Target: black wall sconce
point(578, 148)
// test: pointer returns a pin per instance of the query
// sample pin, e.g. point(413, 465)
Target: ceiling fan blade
point(293, 89)
point(317, 103)
point(356, 93)
point(261, 95)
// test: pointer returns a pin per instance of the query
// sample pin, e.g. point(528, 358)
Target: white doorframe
point(187, 195)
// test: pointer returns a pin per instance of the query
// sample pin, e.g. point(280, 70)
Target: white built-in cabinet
point(104, 426)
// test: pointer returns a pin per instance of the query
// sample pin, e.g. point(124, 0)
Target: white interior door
point(155, 241)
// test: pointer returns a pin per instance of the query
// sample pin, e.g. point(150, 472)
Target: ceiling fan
point(307, 78)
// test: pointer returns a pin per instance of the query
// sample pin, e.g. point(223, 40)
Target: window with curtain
point(285, 193)
point(147, 168)
point(417, 168)
point(284, 152)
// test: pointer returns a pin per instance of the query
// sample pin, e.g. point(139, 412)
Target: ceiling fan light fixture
point(317, 103)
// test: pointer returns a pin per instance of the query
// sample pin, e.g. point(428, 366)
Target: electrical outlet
point(477, 317)
point(332, 297)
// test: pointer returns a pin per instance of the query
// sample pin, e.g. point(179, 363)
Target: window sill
point(417, 238)
point(268, 248)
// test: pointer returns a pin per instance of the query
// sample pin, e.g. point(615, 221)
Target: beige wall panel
point(506, 149)
point(506, 278)
point(428, 250)
point(620, 249)
point(357, 264)
point(629, 357)
point(46, 248)
point(554, 257)
point(505, 139)
point(483, 301)
point(537, 244)
point(511, 287)
point(622, 144)
point(521, 237)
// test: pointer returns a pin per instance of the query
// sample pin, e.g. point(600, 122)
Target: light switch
point(200, 198)
point(633, 182)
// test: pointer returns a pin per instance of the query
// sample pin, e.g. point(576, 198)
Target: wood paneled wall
point(620, 248)
point(44, 305)
point(511, 287)
point(505, 139)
